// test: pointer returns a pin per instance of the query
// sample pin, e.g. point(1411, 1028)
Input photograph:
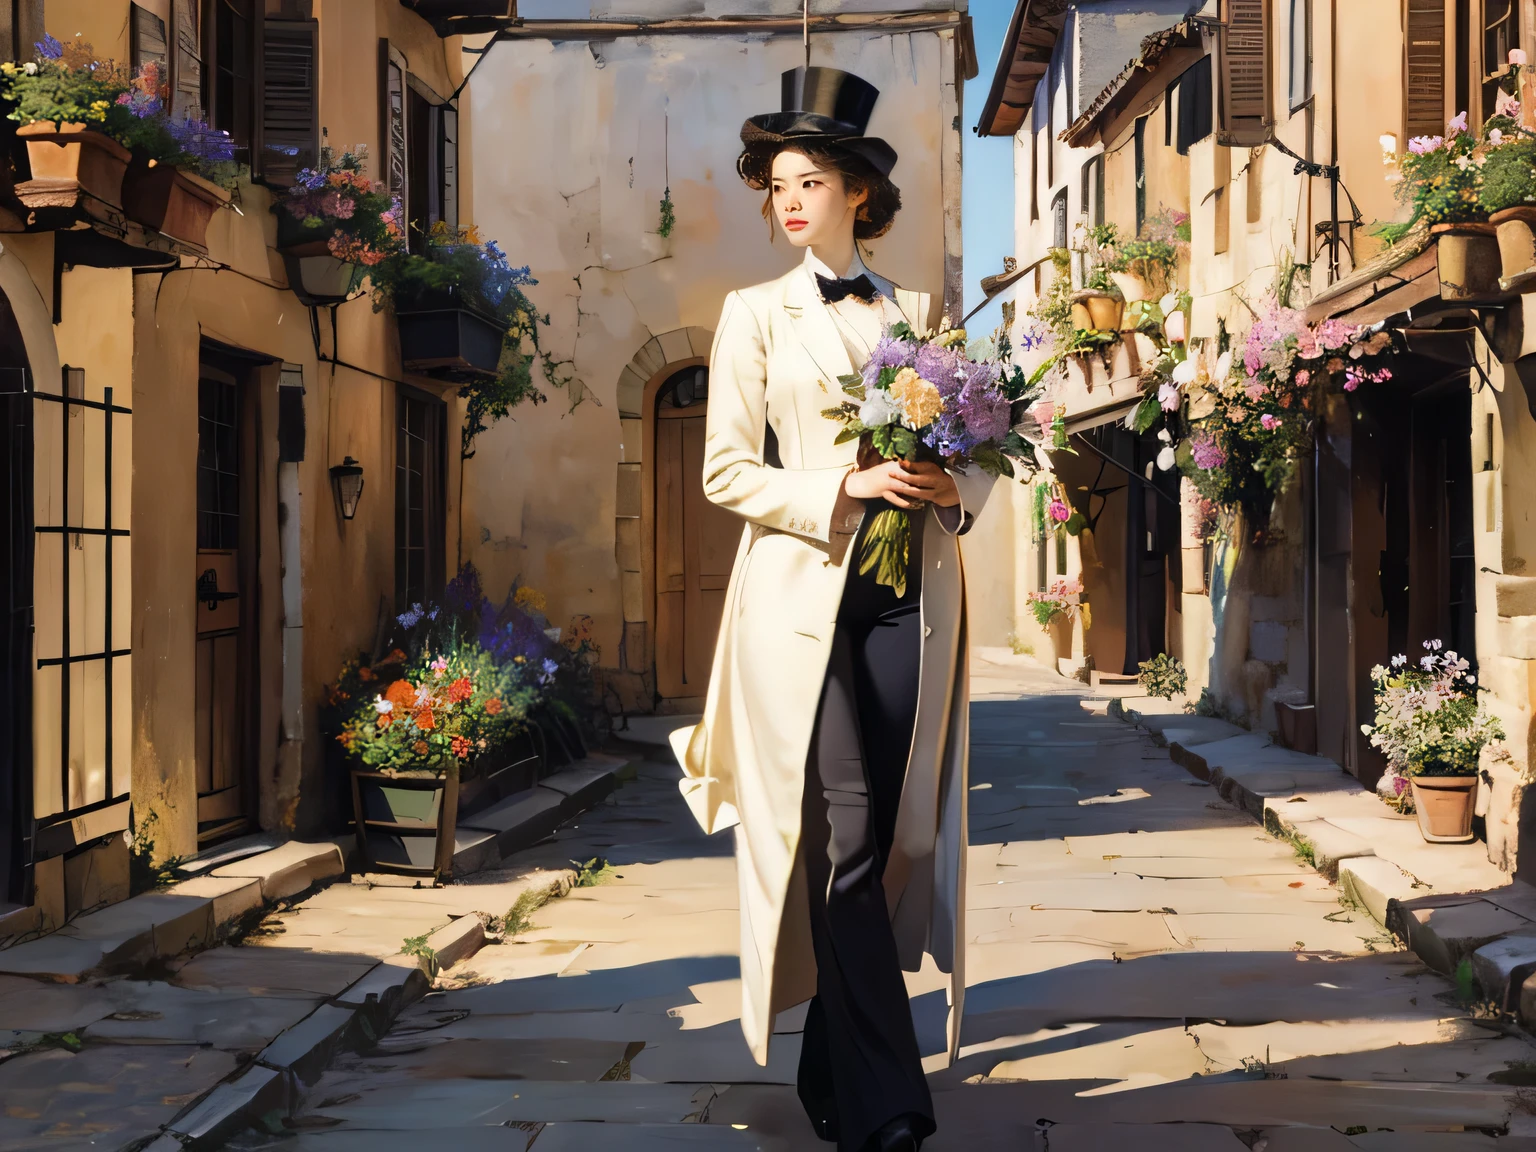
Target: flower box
point(170, 200)
point(1517, 248)
point(496, 775)
point(1467, 261)
point(317, 278)
point(449, 341)
point(70, 161)
point(405, 822)
point(1444, 806)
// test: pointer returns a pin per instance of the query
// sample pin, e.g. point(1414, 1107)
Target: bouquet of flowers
point(1064, 598)
point(926, 396)
point(335, 201)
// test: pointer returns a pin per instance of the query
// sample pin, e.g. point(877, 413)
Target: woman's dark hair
point(876, 214)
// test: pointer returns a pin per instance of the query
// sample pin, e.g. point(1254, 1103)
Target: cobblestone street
point(1147, 970)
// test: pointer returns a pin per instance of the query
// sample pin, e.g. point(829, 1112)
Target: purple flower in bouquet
point(888, 353)
point(196, 138)
point(48, 48)
point(983, 406)
point(939, 367)
point(464, 593)
point(1206, 453)
point(510, 632)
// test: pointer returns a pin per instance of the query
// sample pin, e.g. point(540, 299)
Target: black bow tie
point(834, 290)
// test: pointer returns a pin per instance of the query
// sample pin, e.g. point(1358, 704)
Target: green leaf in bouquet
point(886, 549)
point(1075, 523)
point(852, 432)
point(990, 460)
point(1147, 413)
point(853, 384)
point(901, 330)
point(880, 439)
point(887, 378)
point(903, 440)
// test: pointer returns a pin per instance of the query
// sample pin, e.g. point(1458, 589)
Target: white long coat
point(776, 360)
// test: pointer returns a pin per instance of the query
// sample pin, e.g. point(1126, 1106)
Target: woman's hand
point(886, 479)
point(903, 484)
point(935, 485)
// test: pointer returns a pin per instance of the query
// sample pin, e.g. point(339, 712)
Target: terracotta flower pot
point(1104, 310)
point(1517, 248)
point(1467, 260)
point(1131, 286)
point(163, 197)
point(1444, 806)
point(1060, 630)
point(1081, 319)
point(71, 157)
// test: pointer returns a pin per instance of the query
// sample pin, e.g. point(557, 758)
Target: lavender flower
point(1206, 453)
point(888, 353)
point(48, 48)
point(411, 616)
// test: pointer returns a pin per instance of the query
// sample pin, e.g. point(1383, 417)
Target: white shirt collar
point(818, 268)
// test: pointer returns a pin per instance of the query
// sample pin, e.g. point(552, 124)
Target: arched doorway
point(695, 542)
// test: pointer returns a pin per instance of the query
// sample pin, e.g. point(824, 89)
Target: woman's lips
point(794, 225)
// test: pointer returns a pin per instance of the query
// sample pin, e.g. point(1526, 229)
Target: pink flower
point(1517, 57)
point(1256, 389)
point(1495, 136)
point(1270, 422)
point(1302, 378)
point(1060, 512)
point(1422, 144)
point(1505, 105)
point(1168, 395)
point(1457, 124)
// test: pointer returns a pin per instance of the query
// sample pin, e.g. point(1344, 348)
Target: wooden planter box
point(449, 341)
point(405, 824)
point(514, 768)
point(1467, 260)
point(72, 165)
point(163, 197)
point(1516, 229)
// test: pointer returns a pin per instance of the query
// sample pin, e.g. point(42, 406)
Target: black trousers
point(859, 1060)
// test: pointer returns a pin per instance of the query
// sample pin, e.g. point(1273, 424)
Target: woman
point(834, 732)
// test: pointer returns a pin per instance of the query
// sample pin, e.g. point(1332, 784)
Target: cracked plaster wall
point(586, 138)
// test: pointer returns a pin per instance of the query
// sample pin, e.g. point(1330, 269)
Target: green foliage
point(144, 874)
point(1020, 647)
point(591, 873)
point(668, 216)
point(1466, 982)
point(1163, 676)
point(418, 946)
point(1509, 175)
point(70, 88)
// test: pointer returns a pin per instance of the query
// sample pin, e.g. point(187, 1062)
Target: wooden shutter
point(187, 90)
point(146, 37)
point(392, 126)
point(1245, 75)
point(288, 124)
point(1424, 68)
point(449, 135)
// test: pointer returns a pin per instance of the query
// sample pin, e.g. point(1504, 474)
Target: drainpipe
point(290, 453)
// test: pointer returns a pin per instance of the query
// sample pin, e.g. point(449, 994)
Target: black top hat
point(825, 104)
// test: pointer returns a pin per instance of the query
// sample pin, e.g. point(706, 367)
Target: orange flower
point(425, 720)
point(493, 706)
point(395, 657)
point(366, 674)
point(420, 748)
point(402, 694)
point(385, 720)
point(460, 690)
point(461, 747)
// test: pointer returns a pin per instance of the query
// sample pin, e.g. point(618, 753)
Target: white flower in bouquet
point(878, 409)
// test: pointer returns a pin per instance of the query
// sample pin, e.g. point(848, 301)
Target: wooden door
point(224, 607)
point(696, 542)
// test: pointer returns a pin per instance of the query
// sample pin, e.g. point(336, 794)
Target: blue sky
point(987, 164)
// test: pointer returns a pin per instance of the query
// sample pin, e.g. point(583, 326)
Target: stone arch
point(632, 686)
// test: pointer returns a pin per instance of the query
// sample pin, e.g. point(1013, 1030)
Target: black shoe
point(898, 1135)
point(826, 1130)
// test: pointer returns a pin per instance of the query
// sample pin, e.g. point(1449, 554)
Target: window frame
point(433, 510)
point(242, 131)
point(1296, 102)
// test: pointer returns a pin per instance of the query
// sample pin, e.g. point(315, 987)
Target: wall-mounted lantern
point(347, 480)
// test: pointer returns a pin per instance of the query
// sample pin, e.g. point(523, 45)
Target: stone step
point(181, 918)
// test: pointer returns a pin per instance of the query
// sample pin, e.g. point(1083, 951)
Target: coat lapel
point(815, 328)
point(915, 307)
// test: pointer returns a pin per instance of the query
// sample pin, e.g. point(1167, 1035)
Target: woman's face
point(812, 204)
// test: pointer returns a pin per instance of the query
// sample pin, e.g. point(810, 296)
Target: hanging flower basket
point(168, 200)
point(1444, 806)
point(1467, 260)
point(1517, 248)
point(450, 341)
point(69, 160)
point(317, 278)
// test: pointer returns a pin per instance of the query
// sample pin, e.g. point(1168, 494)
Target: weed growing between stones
point(594, 872)
point(418, 946)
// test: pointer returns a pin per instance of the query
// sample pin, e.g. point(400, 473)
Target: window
point(1301, 53)
point(1195, 112)
point(1501, 32)
point(419, 498)
point(231, 57)
point(218, 454)
point(421, 149)
point(1034, 176)
point(1059, 220)
point(1141, 173)
point(1093, 190)
point(1424, 68)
